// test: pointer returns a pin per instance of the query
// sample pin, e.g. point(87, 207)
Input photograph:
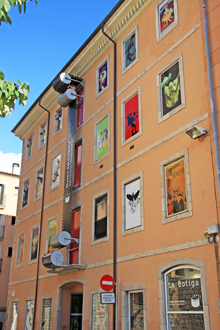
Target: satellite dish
point(67, 97)
point(61, 84)
point(60, 240)
point(51, 260)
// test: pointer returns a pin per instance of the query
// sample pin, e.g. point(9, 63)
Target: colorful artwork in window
point(130, 50)
point(175, 187)
point(34, 243)
point(56, 164)
point(25, 193)
point(166, 14)
point(103, 76)
point(39, 183)
point(52, 230)
point(99, 313)
point(131, 113)
point(20, 252)
point(102, 138)
point(29, 315)
point(14, 316)
point(171, 88)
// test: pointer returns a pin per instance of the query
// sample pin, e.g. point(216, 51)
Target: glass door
point(76, 311)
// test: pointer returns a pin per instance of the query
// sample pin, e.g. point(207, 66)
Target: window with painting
point(51, 230)
point(25, 193)
point(58, 120)
point(100, 225)
point(29, 146)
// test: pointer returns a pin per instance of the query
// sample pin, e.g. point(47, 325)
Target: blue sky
point(38, 44)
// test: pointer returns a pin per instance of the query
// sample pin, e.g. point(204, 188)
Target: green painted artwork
point(102, 138)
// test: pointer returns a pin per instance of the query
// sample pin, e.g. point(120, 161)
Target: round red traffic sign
point(107, 282)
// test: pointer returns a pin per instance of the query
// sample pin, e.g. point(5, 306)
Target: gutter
point(70, 61)
point(114, 182)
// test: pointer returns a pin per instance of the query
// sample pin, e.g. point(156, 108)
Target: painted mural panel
point(175, 187)
point(131, 113)
point(34, 243)
point(29, 315)
point(103, 76)
point(166, 14)
point(99, 313)
point(171, 88)
point(132, 205)
point(56, 164)
point(130, 50)
point(102, 142)
point(20, 250)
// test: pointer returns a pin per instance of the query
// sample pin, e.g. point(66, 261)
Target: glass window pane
point(136, 311)
point(184, 291)
point(186, 322)
point(76, 303)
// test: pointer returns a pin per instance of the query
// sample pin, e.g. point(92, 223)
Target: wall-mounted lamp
point(195, 132)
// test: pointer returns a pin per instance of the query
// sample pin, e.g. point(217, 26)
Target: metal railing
point(2, 229)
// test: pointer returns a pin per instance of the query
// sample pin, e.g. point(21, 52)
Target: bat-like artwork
point(133, 200)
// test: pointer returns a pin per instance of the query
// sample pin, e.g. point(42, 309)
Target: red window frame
point(80, 106)
point(78, 164)
point(75, 233)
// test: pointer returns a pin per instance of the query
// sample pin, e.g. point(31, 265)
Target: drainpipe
point(41, 217)
point(211, 93)
point(215, 135)
point(115, 183)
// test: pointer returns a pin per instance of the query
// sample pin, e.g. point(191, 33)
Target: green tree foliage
point(10, 91)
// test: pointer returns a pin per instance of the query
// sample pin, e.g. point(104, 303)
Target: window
point(58, 120)
point(2, 195)
point(29, 314)
point(42, 135)
point(25, 193)
point(132, 204)
point(55, 171)
point(166, 17)
point(29, 146)
point(99, 313)
point(134, 307)
point(171, 92)
point(20, 250)
point(39, 183)
point(46, 322)
point(13, 220)
point(75, 233)
point(176, 190)
point(16, 190)
point(102, 140)
point(78, 164)
point(80, 106)
point(102, 77)
point(76, 311)
point(34, 243)
point(101, 216)
point(2, 227)
point(131, 116)
point(14, 315)
point(51, 230)
point(184, 300)
point(130, 53)
point(10, 252)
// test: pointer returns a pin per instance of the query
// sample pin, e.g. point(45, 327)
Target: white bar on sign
point(107, 282)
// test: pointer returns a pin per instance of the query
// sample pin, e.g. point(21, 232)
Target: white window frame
point(125, 69)
point(35, 188)
point(184, 263)
point(97, 77)
point(2, 205)
point(127, 98)
point(27, 179)
point(31, 147)
point(161, 117)
point(44, 123)
point(160, 35)
point(55, 120)
point(106, 238)
point(51, 177)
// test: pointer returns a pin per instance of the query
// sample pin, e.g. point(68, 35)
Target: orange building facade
point(108, 162)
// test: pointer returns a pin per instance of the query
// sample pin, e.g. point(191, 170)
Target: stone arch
point(69, 281)
point(161, 284)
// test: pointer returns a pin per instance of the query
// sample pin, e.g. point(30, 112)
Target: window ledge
point(66, 269)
